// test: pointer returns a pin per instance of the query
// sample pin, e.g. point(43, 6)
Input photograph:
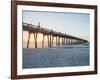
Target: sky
point(75, 24)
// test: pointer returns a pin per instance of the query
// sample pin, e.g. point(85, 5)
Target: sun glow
point(39, 37)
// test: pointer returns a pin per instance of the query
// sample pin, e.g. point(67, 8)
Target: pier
point(61, 38)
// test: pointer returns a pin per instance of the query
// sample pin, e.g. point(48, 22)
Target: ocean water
point(63, 56)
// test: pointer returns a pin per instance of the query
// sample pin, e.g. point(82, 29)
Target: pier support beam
point(48, 41)
point(43, 41)
point(62, 41)
point(28, 39)
point(66, 41)
point(35, 38)
point(52, 40)
point(59, 41)
point(56, 41)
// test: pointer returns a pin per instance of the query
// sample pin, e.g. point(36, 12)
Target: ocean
point(63, 56)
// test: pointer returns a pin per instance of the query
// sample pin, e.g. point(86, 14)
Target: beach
point(66, 56)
